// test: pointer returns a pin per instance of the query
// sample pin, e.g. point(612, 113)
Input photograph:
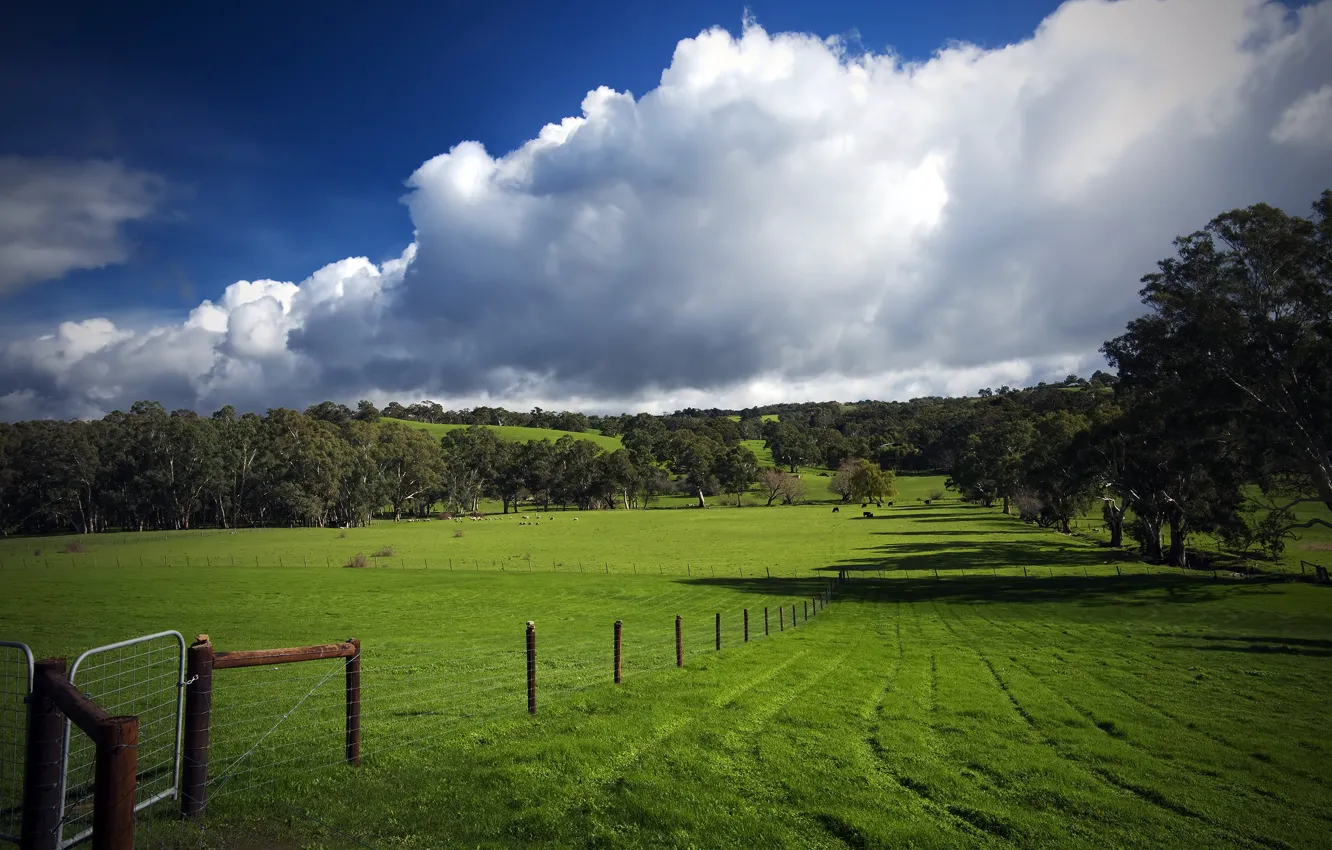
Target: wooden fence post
point(793, 615)
point(41, 778)
point(746, 625)
point(113, 789)
point(531, 667)
point(198, 723)
point(719, 631)
point(354, 704)
point(619, 628)
point(679, 641)
point(765, 620)
point(806, 612)
point(781, 618)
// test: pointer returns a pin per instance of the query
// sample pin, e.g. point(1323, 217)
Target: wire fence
point(272, 726)
point(140, 677)
point(16, 667)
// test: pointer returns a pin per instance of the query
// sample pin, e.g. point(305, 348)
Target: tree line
point(1218, 419)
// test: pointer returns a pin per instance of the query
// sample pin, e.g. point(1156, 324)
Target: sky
point(615, 206)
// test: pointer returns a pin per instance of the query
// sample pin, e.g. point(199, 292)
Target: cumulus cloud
point(57, 216)
point(779, 218)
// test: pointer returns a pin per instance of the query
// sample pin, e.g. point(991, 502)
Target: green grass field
point(1037, 692)
point(519, 434)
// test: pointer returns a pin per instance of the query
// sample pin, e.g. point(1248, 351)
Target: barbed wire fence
point(272, 725)
point(16, 669)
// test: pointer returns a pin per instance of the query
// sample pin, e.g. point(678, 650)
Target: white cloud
point(57, 216)
point(1308, 120)
point(781, 219)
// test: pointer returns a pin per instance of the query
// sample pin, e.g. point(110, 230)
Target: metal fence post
point(45, 754)
point(719, 631)
point(619, 629)
point(679, 641)
point(765, 620)
point(793, 615)
point(806, 612)
point(781, 618)
point(354, 704)
point(113, 789)
point(531, 667)
point(198, 723)
point(746, 625)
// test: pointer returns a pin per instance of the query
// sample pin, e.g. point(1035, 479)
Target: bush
point(342, 535)
point(36, 553)
point(936, 494)
point(74, 547)
point(458, 533)
point(385, 552)
point(358, 561)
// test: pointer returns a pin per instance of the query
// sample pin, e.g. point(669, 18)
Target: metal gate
point(143, 676)
point(16, 670)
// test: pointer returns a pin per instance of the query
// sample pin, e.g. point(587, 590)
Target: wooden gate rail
point(55, 698)
point(202, 660)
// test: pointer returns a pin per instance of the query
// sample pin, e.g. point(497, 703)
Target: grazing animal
point(869, 514)
point(837, 510)
point(878, 504)
point(890, 504)
point(864, 504)
point(927, 501)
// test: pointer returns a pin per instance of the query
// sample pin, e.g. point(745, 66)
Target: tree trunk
point(1178, 554)
point(1151, 547)
point(701, 503)
point(1005, 503)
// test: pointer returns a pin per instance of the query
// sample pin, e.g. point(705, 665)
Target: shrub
point(342, 535)
point(385, 552)
point(358, 560)
point(74, 547)
point(936, 494)
point(458, 533)
point(36, 553)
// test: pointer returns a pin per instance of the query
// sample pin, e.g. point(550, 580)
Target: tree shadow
point(948, 533)
point(949, 556)
point(1258, 648)
point(1137, 591)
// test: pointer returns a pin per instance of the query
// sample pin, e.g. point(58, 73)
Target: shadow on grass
point(1130, 591)
point(1258, 648)
point(979, 555)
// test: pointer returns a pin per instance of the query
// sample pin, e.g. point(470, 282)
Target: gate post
point(198, 724)
point(113, 793)
point(45, 754)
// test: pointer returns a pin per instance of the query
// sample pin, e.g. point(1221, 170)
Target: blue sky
point(286, 130)
point(783, 210)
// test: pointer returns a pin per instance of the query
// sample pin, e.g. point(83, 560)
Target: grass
point(520, 434)
point(1038, 692)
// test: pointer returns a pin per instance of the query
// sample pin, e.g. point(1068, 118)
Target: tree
point(1245, 308)
point(691, 456)
point(736, 468)
point(470, 456)
point(410, 464)
point(366, 411)
point(791, 446)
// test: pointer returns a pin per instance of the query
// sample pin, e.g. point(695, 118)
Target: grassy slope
point(518, 434)
point(966, 711)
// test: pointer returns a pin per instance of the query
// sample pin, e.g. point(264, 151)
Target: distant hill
point(519, 434)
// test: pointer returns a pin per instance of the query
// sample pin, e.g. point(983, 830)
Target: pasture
point(979, 682)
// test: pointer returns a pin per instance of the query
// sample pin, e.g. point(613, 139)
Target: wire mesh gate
point(16, 669)
point(143, 677)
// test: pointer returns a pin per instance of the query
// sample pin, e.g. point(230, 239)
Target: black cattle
point(837, 510)
point(869, 515)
